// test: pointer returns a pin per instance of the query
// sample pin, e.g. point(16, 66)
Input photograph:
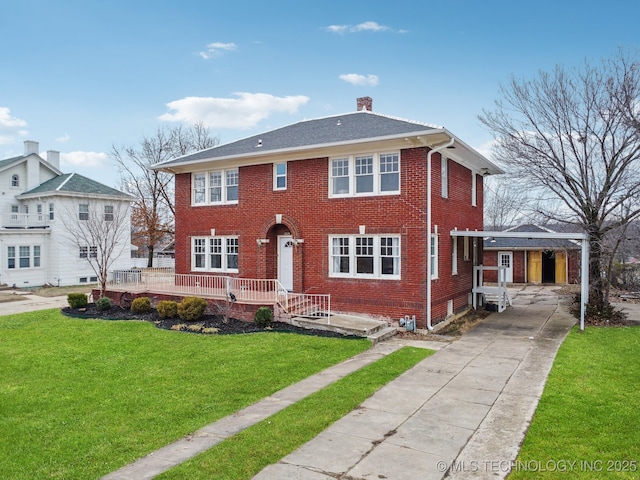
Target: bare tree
point(571, 134)
point(99, 236)
point(153, 208)
point(505, 204)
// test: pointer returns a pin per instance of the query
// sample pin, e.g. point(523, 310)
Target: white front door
point(505, 259)
point(285, 261)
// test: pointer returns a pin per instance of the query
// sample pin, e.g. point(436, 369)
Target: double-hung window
point(365, 256)
point(444, 176)
point(11, 257)
point(108, 213)
point(83, 211)
point(51, 212)
point(216, 187)
point(25, 256)
point(218, 254)
point(280, 176)
point(365, 175)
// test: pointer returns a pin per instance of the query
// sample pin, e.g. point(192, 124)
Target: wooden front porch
point(306, 310)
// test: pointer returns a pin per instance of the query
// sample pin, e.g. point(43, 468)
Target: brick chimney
point(365, 103)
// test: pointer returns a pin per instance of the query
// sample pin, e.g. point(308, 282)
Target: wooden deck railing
point(242, 290)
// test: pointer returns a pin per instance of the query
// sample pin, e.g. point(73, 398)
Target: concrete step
point(345, 324)
point(382, 335)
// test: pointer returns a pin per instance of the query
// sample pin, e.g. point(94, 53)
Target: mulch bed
point(208, 324)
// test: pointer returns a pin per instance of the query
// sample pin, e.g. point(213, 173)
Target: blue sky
point(81, 76)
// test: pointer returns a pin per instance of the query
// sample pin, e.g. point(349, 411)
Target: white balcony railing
point(241, 290)
point(23, 220)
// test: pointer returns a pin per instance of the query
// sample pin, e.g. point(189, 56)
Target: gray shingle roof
point(9, 161)
point(75, 183)
point(528, 243)
point(322, 131)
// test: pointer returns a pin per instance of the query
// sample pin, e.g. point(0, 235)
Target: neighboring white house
point(35, 197)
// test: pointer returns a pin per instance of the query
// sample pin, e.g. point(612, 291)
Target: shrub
point(167, 309)
point(191, 309)
point(77, 300)
point(103, 303)
point(141, 305)
point(263, 317)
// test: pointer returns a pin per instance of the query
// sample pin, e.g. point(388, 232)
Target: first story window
point(214, 254)
point(89, 252)
point(365, 256)
point(23, 256)
point(454, 255)
point(433, 253)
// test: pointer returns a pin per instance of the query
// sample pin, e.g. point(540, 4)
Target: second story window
point(108, 213)
point(83, 211)
point(51, 213)
point(444, 176)
point(215, 187)
point(373, 174)
point(15, 180)
point(280, 176)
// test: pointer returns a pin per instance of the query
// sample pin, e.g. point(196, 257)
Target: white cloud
point(242, 112)
point(360, 80)
point(361, 27)
point(217, 48)
point(10, 127)
point(63, 139)
point(83, 159)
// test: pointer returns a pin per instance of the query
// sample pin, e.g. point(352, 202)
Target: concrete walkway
point(30, 302)
point(460, 413)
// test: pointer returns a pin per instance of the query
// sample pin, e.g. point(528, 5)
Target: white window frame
point(83, 211)
point(227, 247)
point(23, 257)
point(444, 176)
point(433, 252)
point(108, 213)
point(351, 168)
point(474, 189)
point(15, 180)
point(51, 212)
point(11, 255)
point(280, 176)
point(203, 185)
point(454, 255)
point(346, 246)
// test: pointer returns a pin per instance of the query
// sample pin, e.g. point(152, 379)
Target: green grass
point(81, 398)
point(244, 455)
point(589, 412)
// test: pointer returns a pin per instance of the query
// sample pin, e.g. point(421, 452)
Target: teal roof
point(9, 161)
point(75, 183)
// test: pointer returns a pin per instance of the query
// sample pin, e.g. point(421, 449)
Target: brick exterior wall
point(490, 258)
point(308, 213)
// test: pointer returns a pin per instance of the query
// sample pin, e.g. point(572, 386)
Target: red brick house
point(339, 206)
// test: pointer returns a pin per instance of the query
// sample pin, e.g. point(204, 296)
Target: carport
point(582, 237)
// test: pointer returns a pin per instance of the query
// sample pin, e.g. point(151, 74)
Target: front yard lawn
point(81, 398)
point(586, 424)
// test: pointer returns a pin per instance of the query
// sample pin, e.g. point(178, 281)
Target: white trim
point(277, 176)
point(349, 163)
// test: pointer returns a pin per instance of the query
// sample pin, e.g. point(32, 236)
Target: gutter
point(429, 154)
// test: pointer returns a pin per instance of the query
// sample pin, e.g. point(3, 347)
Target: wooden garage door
point(561, 266)
point(534, 268)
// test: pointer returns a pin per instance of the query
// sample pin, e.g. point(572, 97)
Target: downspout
point(431, 152)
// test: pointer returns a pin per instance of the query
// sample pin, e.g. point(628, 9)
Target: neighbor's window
point(216, 187)
point(11, 257)
point(280, 176)
point(36, 255)
point(108, 213)
point(365, 256)
point(25, 256)
point(51, 213)
point(15, 181)
point(83, 211)
point(215, 254)
point(84, 252)
point(372, 174)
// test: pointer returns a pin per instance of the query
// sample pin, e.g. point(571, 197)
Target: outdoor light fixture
point(262, 241)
